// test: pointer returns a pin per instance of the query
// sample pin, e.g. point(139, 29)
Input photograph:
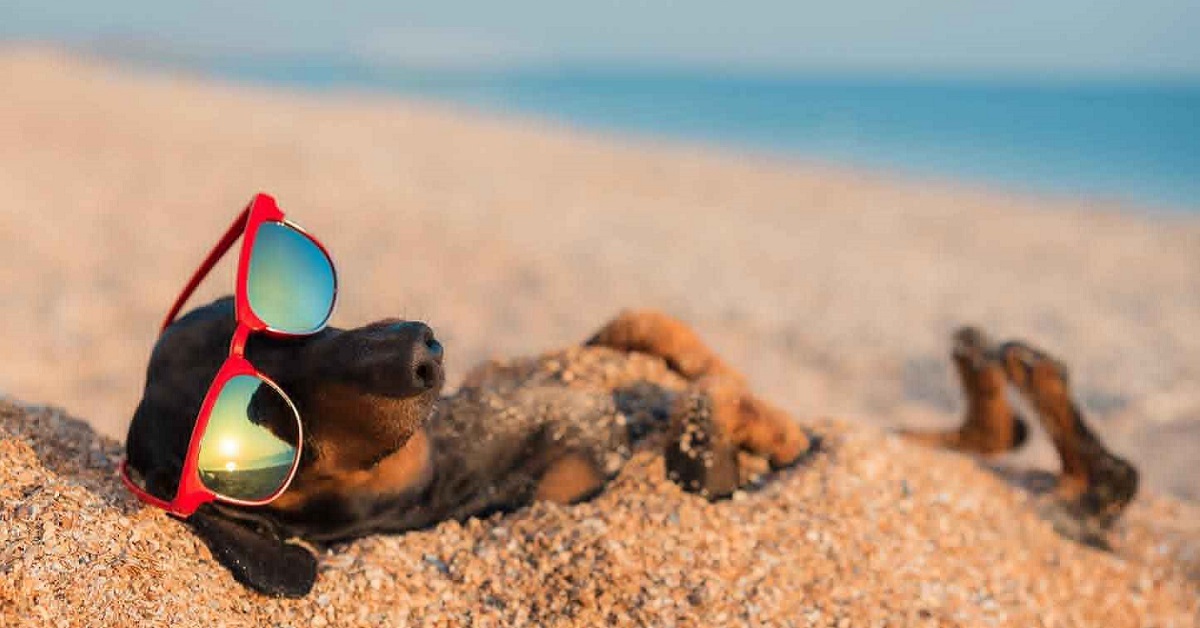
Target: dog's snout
point(390, 357)
point(425, 359)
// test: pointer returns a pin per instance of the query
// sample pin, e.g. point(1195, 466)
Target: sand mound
point(870, 532)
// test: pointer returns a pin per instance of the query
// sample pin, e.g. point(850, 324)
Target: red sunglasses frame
point(192, 493)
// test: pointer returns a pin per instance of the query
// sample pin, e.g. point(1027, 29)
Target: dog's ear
point(264, 563)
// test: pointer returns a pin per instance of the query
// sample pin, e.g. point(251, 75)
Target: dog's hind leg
point(990, 425)
point(1095, 484)
point(748, 422)
point(714, 420)
point(717, 416)
point(655, 333)
point(753, 424)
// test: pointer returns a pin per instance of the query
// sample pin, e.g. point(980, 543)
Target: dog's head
point(362, 395)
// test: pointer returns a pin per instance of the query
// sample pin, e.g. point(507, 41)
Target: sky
point(1077, 38)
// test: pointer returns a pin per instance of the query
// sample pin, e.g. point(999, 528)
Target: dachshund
point(385, 452)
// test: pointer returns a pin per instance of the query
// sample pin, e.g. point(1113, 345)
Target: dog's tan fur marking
point(766, 430)
point(751, 423)
point(570, 479)
point(354, 444)
point(655, 333)
point(408, 469)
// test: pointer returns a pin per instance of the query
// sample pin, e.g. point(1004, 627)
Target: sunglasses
point(246, 442)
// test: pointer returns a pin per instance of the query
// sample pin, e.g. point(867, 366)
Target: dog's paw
point(1112, 485)
point(700, 455)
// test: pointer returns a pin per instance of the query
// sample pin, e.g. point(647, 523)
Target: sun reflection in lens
point(241, 455)
point(228, 448)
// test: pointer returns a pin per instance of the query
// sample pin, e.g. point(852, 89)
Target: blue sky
point(1159, 38)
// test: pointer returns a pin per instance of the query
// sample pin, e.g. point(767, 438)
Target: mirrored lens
point(251, 440)
point(291, 280)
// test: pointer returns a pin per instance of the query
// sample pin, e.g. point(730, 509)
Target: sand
point(871, 531)
point(835, 291)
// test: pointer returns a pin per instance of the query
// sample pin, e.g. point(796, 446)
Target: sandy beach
point(834, 291)
point(871, 531)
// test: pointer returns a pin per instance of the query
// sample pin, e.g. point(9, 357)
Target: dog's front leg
point(990, 426)
point(1095, 484)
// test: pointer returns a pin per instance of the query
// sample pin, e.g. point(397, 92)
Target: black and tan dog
point(384, 452)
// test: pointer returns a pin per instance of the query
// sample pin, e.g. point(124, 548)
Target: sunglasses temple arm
point(231, 235)
point(140, 492)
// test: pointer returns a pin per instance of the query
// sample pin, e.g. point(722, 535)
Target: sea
point(1133, 143)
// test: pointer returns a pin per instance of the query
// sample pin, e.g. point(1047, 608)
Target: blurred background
point(825, 191)
point(1095, 97)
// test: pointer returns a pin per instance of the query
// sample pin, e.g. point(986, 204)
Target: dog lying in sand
point(385, 453)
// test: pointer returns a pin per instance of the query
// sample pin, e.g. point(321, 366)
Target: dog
point(385, 452)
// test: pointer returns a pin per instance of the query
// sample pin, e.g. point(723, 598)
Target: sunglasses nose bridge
point(237, 344)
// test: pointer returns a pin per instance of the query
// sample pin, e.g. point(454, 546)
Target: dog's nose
point(425, 359)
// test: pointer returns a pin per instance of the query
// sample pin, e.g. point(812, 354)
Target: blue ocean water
point(1133, 142)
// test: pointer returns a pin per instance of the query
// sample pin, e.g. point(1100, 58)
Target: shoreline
point(135, 68)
